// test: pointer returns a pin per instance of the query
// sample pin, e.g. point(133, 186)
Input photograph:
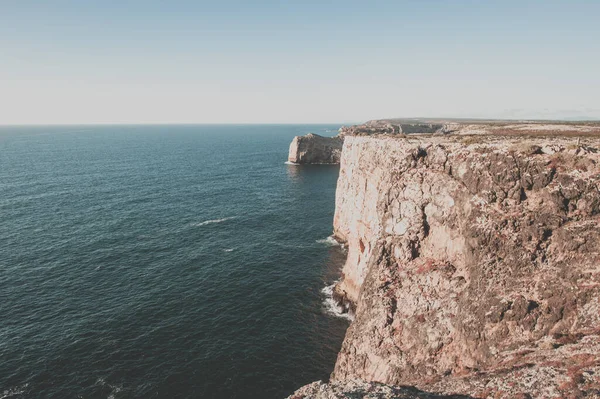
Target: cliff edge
point(473, 262)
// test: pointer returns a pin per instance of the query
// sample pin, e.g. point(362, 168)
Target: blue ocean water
point(163, 262)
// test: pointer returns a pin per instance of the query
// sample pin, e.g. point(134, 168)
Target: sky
point(145, 61)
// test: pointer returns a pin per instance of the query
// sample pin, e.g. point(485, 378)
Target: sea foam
point(114, 388)
point(204, 223)
point(329, 241)
point(333, 307)
point(7, 393)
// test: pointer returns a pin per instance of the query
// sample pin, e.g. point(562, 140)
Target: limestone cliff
point(473, 261)
point(315, 149)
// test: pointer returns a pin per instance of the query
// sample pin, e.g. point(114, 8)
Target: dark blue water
point(163, 262)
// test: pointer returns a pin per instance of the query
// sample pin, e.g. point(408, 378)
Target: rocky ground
point(474, 264)
point(470, 127)
point(353, 389)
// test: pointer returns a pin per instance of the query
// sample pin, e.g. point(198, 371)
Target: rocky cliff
point(315, 149)
point(473, 262)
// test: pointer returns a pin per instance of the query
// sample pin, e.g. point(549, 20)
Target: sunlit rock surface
point(315, 149)
point(473, 261)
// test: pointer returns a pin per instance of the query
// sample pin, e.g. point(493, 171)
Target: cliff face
point(315, 149)
point(474, 263)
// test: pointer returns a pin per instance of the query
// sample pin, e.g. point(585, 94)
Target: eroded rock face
point(474, 264)
point(315, 149)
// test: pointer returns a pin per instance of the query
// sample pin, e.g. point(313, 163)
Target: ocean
point(184, 261)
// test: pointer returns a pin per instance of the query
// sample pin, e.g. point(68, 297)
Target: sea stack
point(315, 149)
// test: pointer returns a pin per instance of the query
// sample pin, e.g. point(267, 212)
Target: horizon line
point(419, 118)
point(173, 123)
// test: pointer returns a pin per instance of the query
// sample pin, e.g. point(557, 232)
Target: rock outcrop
point(473, 262)
point(315, 149)
point(353, 389)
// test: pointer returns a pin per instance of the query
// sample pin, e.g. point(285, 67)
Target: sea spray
point(329, 241)
point(211, 221)
point(334, 307)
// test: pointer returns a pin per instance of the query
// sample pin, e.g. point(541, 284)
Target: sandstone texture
point(474, 263)
point(315, 149)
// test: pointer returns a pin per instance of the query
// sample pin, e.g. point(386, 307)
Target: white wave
point(228, 249)
point(330, 241)
point(291, 163)
point(204, 223)
point(114, 388)
point(332, 306)
point(7, 393)
point(286, 245)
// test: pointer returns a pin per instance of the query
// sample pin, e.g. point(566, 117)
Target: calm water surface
point(163, 262)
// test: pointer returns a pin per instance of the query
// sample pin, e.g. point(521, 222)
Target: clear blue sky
point(296, 61)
